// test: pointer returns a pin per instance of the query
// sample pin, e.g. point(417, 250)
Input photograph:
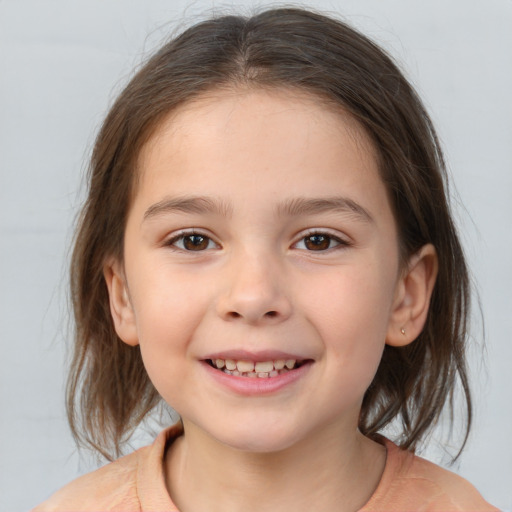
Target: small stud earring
point(402, 330)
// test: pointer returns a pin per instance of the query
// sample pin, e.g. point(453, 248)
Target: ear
point(120, 303)
point(412, 297)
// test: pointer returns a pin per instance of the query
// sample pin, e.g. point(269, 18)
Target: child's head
point(279, 57)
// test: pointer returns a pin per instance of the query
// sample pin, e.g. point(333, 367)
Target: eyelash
point(172, 243)
point(321, 234)
point(340, 243)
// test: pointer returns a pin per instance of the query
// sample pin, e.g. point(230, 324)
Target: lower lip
point(252, 386)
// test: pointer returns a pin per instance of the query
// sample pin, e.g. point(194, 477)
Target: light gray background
point(61, 63)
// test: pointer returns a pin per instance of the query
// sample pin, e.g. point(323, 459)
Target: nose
point(254, 292)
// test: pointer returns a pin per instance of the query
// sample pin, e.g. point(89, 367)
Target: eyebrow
point(308, 206)
point(188, 204)
point(292, 207)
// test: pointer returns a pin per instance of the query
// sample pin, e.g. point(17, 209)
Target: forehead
point(234, 101)
point(247, 136)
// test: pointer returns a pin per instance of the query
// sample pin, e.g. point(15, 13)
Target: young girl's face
point(261, 233)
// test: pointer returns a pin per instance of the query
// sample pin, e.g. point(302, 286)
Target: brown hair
point(109, 391)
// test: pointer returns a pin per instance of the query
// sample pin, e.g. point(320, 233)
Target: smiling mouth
point(258, 370)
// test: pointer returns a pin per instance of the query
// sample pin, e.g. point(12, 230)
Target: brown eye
point(192, 242)
point(195, 242)
point(317, 242)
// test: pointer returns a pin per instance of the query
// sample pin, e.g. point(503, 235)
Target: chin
point(259, 439)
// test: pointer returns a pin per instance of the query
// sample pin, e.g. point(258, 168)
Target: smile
point(251, 369)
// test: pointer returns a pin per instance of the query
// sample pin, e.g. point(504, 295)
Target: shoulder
point(410, 482)
point(132, 483)
point(112, 487)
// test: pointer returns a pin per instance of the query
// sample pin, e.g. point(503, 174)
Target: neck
point(335, 471)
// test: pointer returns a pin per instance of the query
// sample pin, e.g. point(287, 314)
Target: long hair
point(109, 391)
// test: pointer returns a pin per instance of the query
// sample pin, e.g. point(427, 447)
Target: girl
point(267, 247)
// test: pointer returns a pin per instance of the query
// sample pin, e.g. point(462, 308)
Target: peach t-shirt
point(136, 482)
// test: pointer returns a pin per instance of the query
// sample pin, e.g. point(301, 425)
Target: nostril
point(271, 314)
point(234, 314)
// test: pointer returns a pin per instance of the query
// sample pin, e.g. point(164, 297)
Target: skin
point(259, 283)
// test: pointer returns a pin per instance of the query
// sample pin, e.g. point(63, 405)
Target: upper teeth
point(251, 366)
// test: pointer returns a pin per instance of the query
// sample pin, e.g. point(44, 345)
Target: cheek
point(355, 298)
point(351, 311)
point(168, 310)
point(166, 303)
point(166, 324)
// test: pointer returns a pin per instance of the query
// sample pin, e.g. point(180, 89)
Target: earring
point(402, 330)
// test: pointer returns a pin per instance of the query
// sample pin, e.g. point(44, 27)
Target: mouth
point(255, 369)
